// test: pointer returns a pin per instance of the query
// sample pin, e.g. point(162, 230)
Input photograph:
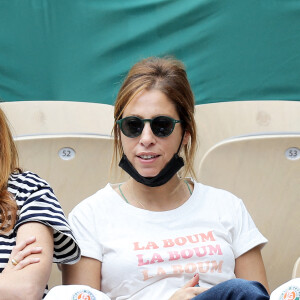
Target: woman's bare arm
point(87, 271)
point(29, 281)
point(250, 266)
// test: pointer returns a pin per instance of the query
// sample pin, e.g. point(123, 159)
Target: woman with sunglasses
point(161, 235)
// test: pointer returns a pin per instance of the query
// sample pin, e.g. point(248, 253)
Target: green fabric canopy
point(80, 50)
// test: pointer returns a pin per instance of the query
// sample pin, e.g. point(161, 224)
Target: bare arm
point(87, 271)
point(29, 281)
point(250, 266)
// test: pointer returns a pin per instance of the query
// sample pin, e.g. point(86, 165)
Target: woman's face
point(147, 152)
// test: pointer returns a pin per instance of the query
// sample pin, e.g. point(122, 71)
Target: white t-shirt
point(150, 255)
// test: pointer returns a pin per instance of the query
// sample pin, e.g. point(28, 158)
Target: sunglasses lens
point(162, 126)
point(132, 126)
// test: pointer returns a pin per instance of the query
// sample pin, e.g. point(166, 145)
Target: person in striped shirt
point(33, 229)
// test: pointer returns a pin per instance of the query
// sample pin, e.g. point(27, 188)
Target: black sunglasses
point(161, 126)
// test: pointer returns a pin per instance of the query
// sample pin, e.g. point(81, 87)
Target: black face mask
point(170, 169)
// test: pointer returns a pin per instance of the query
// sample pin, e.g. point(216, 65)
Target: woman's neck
point(162, 198)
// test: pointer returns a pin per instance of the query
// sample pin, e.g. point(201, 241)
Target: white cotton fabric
point(287, 291)
point(149, 255)
point(75, 292)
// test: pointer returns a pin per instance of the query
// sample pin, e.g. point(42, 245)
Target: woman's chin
point(148, 173)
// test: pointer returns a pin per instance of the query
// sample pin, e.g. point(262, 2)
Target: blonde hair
point(8, 165)
point(167, 75)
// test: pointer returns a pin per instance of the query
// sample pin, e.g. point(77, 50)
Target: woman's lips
point(147, 156)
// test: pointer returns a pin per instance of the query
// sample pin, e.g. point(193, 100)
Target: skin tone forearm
point(87, 271)
point(250, 266)
point(33, 254)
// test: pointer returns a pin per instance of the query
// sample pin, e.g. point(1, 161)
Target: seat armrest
point(296, 270)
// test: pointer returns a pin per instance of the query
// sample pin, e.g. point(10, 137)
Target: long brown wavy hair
point(8, 164)
point(167, 75)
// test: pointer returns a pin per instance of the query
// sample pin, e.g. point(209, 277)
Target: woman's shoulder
point(214, 194)
point(28, 187)
point(27, 179)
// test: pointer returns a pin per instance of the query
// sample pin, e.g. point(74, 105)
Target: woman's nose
point(147, 137)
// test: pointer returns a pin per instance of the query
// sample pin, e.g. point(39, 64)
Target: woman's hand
point(189, 291)
point(20, 258)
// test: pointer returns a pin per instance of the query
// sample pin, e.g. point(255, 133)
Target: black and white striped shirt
point(37, 203)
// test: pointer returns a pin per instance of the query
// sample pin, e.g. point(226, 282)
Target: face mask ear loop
point(121, 143)
point(180, 143)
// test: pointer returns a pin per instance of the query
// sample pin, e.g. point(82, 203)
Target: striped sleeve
point(37, 203)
